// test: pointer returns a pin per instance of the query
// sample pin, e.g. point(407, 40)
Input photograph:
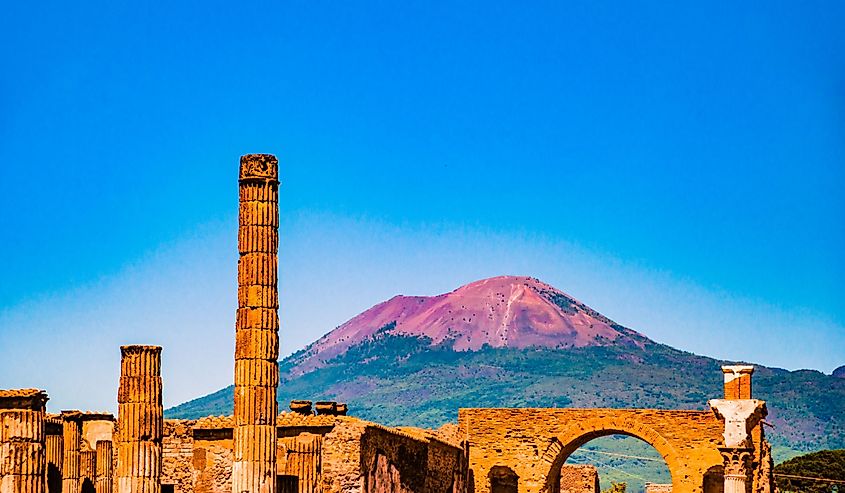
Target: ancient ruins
point(318, 448)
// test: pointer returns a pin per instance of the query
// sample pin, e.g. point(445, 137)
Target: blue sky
point(677, 167)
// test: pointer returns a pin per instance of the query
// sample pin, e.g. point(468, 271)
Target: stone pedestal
point(22, 441)
point(140, 420)
point(256, 327)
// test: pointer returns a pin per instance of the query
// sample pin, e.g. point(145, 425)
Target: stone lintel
point(740, 417)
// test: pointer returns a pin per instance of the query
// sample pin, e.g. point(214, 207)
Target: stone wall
point(578, 478)
point(534, 443)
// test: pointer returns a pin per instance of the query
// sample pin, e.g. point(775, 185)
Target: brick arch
point(574, 437)
point(534, 441)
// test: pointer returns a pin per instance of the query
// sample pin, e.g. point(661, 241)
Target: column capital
point(740, 417)
point(736, 461)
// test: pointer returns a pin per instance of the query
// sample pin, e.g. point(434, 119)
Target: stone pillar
point(54, 444)
point(104, 467)
point(140, 420)
point(736, 461)
point(22, 447)
point(257, 327)
point(87, 471)
point(71, 441)
point(737, 381)
point(740, 416)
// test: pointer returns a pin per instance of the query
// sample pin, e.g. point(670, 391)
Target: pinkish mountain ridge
point(504, 311)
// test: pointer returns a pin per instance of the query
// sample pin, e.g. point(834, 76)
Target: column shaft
point(71, 440)
point(105, 476)
point(256, 327)
point(140, 420)
point(22, 441)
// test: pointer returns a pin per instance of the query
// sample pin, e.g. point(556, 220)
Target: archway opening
point(599, 463)
point(503, 480)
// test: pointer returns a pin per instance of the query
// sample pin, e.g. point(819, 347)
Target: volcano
point(504, 311)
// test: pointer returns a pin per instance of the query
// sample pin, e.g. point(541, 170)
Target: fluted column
point(22, 448)
point(54, 453)
point(104, 466)
point(257, 327)
point(140, 420)
point(71, 441)
point(87, 471)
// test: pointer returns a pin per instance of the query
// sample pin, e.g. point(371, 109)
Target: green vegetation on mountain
point(826, 464)
point(401, 380)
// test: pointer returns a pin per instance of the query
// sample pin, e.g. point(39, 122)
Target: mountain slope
point(515, 341)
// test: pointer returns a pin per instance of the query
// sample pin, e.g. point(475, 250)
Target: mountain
point(515, 341)
point(839, 372)
point(505, 311)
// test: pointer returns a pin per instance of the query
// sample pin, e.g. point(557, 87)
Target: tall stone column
point(22, 450)
point(257, 327)
point(140, 420)
point(736, 461)
point(104, 467)
point(54, 445)
point(71, 441)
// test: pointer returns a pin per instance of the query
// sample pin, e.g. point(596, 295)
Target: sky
point(678, 167)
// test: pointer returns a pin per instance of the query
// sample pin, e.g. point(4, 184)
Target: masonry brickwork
point(257, 327)
point(578, 478)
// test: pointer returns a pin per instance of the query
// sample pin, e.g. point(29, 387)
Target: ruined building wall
point(257, 327)
point(298, 463)
point(177, 446)
point(534, 442)
point(578, 478)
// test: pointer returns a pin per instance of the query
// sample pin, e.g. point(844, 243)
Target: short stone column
point(105, 477)
point(71, 442)
point(140, 420)
point(737, 470)
point(22, 447)
point(257, 327)
point(87, 471)
point(54, 444)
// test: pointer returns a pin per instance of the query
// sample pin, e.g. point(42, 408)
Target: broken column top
point(135, 348)
point(34, 399)
point(737, 381)
point(264, 167)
